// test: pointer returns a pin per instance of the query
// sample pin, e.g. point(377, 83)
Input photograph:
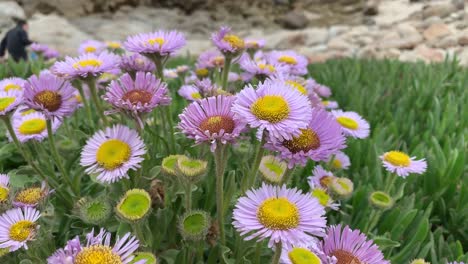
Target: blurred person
point(15, 41)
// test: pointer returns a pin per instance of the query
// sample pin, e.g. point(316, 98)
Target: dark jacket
point(15, 41)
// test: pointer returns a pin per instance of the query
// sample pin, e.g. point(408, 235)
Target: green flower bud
point(194, 225)
point(341, 188)
point(381, 200)
point(272, 169)
point(94, 211)
point(134, 205)
point(168, 166)
point(191, 170)
point(419, 261)
point(148, 256)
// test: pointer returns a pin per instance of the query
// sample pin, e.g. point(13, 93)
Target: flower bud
point(272, 169)
point(194, 225)
point(134, 205)
point(381, 200)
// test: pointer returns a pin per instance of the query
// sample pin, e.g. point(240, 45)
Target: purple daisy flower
point(50, 95)
point(329, 104)
point(300, 85)
point(17, 227)
point(273, 107)
point(211, 120)
point(9, 101)
point(260, 68)
point(98, 247)
point(304, 253)
point(44, 51)
point(91, 46)
point(318, 141)
point(190, 92)
point(322, 90)
point(227, 42)
point(13, 83)
point(210, 59)
point(32, 126)
point(254, 44)
point(296, 63)
point(353, 124)
point(340, 161)
point(4, 187)
point(280, 215)
point(113, 45)
point(135, 63)
point(233, 77)
point(31, 197)
point(112, 152)
point(141, 95)
point(161, 43)
point(86, 65)
point(351, 246)
point(456, 262)
point(402, 164)
point(320, 177)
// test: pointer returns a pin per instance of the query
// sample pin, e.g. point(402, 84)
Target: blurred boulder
point(371, 7)
point(10, 11)
point(294, 19)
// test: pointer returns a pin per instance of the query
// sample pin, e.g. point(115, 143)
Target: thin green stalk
point(258, 158)
point(373, 218)
point(287, 175)
point(86, 105)
point(390, 183)
point(138, 232)
point(258, 252)
point(97, 101)
point(277, 255)
point(225, 75)
point(219, 167)
point(188, 196)
point(58, 161)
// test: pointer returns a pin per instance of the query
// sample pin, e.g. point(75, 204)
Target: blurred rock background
point(408, 30)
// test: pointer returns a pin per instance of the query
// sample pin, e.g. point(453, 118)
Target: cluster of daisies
point(271, 97)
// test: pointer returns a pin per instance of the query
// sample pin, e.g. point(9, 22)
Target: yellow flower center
point(32, 126)
point(78, 98)
point(218, 61)
point(345, 257)
point(325, 181)
point(97, 254)
point(278, 214)
point(325, 103)
point(397, 158)
point(29, 196)
point(288, 60)
point(202, 72)
point(3, 194)
point(303, 256)
point(252, 44)
point(12, 86)
point(298, 87)
point(113, 154)
point(347, 122)
point(22, 230)
point(90, 49)
point(5, 102)
point(234, 41)
point(159, 41)
point(269, 67)
point(272, 108)
point(321, 196)
point(113, 45)
point(196, 95)
point(49, 100)
point(27, 112)
point(336, 164)
point(137, 96)
point(85, 63)
point(214, 124)
point(307, 140)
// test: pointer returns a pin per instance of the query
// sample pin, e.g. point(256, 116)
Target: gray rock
point(9, 11)
point(371, 7)
point(294, 19)
point(440, 9)
point(316, 36)
point(436, 31)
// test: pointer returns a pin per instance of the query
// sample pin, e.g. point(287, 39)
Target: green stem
point(97, 101)
point(86, 105)
point(372, 218)
point(258, 252)
point(225, 75)
point(287, 175)
point(188, 196)
point(220, 166)
point(139, 234)
point(277, 255)
point(258, 158)
point(58, 161)
point(390, 183)
point(170, 123)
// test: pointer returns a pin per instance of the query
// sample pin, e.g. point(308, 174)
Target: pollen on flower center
point(336, 164)
point(90, 49)
point(196, 95)
point(29, 196)
point(22, 230)
point(288, 60)
point(3, 194)
point(218, 61)
point(269, 67)
point(321, 196)
point(12, 86)
point(307, 140)
point(303, 256)
point(97, 254)
point(325, 181)
point(272, 108)
point(234, 41)
point(345, 257)
point(278, 214)
point(27, 112)
point(297, 86)
point(86, 63)
point(137, 96)
point(5, 102)
point(32, 126)
point(112, 154)
point(159, 41)
point(397, 158)
point(202, 72)
point(214, 124)
point(347, 122)
point(113, 45)
point(49, 99)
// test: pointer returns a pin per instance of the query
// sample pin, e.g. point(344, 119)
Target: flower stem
point(86, 105)
point(225, 75)
point(287, 175)
point(188, 196)
point(277, 255)
point(139, 234)
point(258, 158)
point(58, 161)
point(220, 166)
point(97, 101)
point(390, 183)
